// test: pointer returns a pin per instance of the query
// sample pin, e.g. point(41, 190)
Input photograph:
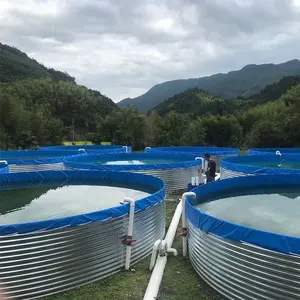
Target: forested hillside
point(15, 65)
point(245, 82)
point(39, 105)
point(209, 120)
point(198, 102)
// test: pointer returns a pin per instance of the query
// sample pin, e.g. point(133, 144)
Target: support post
point(184, 233)
point(129, 239)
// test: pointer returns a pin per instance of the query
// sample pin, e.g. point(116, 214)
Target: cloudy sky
point(124, 47)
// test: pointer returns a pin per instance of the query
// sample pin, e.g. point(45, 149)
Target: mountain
point(276, 90)
point(250, 80)
point(16, 65)
point(40, 105)
point(197, 102)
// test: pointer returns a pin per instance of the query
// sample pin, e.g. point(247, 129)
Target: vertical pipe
point(126, 149)
point(147, 148)
point(184, 221)
point(129, 239)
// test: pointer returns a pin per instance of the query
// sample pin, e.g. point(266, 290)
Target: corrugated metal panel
point(242, 271)
point(225, 174)
point(175, 179)
point(44, 263)
point(38, 167)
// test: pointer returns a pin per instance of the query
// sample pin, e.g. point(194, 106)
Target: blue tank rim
point(239, 164)
point(200, 150)
point(26, 157)
point(270, 151)
point(239, 233)
point(78, 162)
point(35, 179)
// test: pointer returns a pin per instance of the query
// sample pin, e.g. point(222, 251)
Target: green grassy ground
point(79, 143)
point(180, 281)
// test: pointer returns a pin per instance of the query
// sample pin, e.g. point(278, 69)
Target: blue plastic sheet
point(3, 168)
point(241, 164)
point(238, 233)
point(35, 179)
point(200, 151)
point(268, 151)
point(89, 162)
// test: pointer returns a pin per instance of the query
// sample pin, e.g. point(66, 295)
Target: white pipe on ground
point(184, 222)
point(166, 244)
point(129, 239)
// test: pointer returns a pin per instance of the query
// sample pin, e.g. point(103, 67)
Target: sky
point(124, 47)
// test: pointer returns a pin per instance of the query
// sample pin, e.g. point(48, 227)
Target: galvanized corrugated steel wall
point(241, 271)
point(43, 263)
point(226, 174)
point(174, 179)
point(14, 168)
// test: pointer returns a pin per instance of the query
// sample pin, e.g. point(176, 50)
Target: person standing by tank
point(211, 169)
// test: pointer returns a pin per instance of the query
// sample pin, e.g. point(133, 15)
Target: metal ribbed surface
point(242, 271)
point(39, 264)
point(226, 174)
point(174, 179)
point(38, 167)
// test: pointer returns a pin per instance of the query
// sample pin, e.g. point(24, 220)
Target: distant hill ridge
point(245, 82)
point(16, 65)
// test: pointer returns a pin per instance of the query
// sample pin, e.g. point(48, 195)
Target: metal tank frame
point(48, 257)
point(239, 166)
point(217, 153)
point(240, 262)
point(176, 175)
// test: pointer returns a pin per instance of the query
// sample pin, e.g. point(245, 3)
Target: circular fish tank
point(259, 165)
point(268, 151)
point(63, 229)
point(216, 153)
point(175, 169)
point(36, 160)
point(90, 148)
point(244, 236)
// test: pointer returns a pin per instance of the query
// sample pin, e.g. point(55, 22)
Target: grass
point(82, 143)
point(180, 281)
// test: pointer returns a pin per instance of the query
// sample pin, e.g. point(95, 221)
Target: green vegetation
point(42, 111)
point(16, 65)
point(245, 82)
point(180, 281)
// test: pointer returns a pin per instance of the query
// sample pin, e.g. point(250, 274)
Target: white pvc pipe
point(4, 162)
point(126, 149)
point(147, 148)
point(81, 150)
point(130, 230)
point(158, 271)
point(184, 222)
point(154, 254)
point(202, 161)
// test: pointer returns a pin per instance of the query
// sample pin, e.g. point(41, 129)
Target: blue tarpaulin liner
point(35, 157)
point(200, 151)
point(242, 164)
point(268, 151)
point(89, 148)
point(89, 162)
point(3, 167)
point(235, 232)
point(36, 179)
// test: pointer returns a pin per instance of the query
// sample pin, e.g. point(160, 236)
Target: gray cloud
point(123, 48)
